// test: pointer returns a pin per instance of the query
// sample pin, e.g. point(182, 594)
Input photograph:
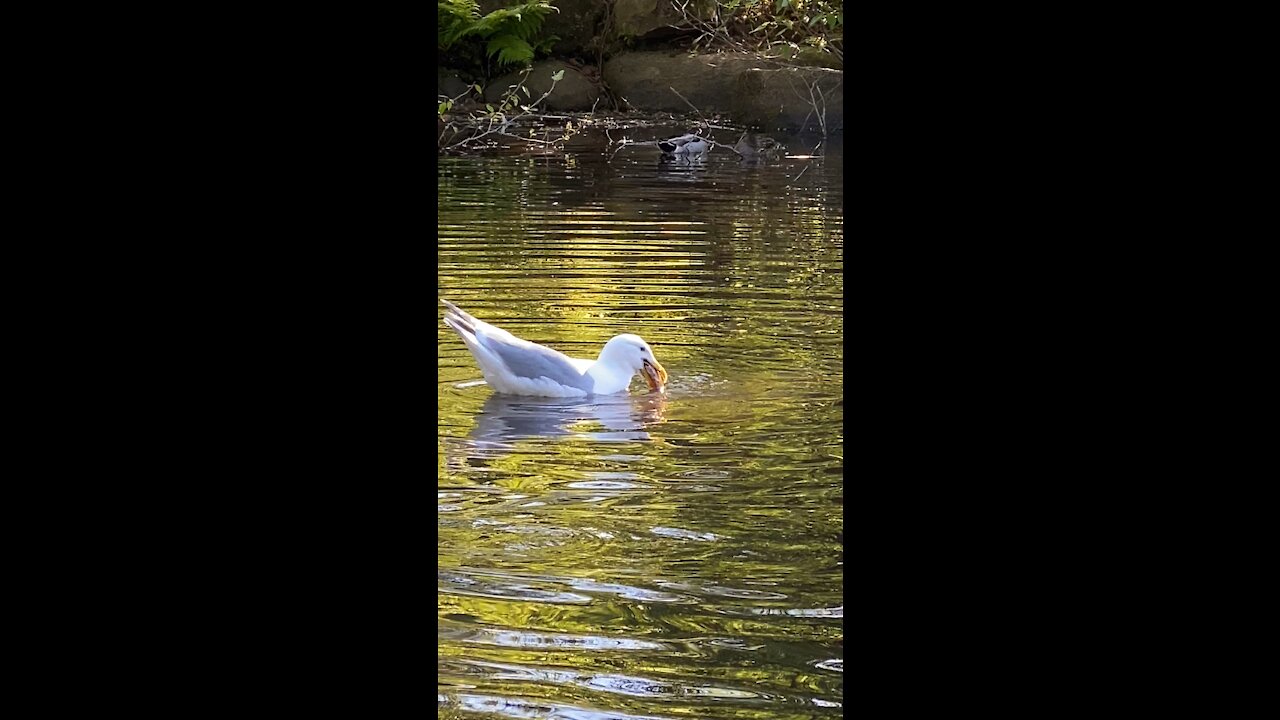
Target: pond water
point(675, 555)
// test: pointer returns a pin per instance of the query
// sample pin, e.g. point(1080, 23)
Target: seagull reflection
point(505, 420)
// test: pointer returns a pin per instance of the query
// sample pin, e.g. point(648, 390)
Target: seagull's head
point(630, 352)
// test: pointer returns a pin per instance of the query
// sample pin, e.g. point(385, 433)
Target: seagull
point(519, 367)
point(684, 145)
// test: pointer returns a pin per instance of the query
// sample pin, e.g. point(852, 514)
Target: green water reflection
point(676, 555)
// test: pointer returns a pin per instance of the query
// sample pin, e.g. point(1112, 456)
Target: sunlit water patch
point(668, 555)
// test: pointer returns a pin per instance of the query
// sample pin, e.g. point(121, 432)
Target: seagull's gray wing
point(530, 360)
point(521, 357)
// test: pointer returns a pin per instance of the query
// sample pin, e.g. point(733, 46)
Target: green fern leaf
point(457, 19)
point(544, 45)
point(510, 49)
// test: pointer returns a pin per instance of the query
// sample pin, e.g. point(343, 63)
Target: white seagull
point(519, 367)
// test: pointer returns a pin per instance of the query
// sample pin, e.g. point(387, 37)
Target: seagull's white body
point(519, 367)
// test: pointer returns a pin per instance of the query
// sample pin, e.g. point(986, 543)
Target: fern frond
point(510, 49)
point(457, 19)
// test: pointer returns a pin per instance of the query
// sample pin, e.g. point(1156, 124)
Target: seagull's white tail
point(466, 327)
point(458, 316)
point(462, 323)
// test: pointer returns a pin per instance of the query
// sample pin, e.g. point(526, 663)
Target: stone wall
point(782, 90)
point(746, 87)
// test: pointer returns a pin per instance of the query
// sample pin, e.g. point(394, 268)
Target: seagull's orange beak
point(654, 374)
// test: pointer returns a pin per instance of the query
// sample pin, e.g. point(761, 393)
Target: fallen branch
point(810, 162)
point(503, 123)
point(655, 143)
point(817, 104)
point(705, 122)
point(717, 30)
point(686, 102)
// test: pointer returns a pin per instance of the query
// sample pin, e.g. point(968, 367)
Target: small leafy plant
point(501, 119)
point(758, 24)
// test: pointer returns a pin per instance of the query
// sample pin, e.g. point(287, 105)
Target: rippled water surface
point(674, 555)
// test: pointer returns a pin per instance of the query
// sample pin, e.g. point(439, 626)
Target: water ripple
point(645, 556)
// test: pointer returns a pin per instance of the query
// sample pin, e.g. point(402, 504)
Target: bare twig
point(811, 158)
point(449, 126)
point(717, 29)
point(686, 102)
point(506, 122)
point(707, 30)
point(455, 99)
point(621, 144)
point(805, 125)
point(817, 103)
point(822, 98)
point(735, 145)
point(529, 139)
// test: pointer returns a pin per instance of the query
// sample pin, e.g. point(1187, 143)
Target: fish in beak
point(654, 375)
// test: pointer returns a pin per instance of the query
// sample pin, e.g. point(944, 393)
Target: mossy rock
point(749, 88)
point(804, 55)
point(646, 80)
point(797, 98)
point(576, 25)
point(652, 19)
point(449, 83)
point(574, 91)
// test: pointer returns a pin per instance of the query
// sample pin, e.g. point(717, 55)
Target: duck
point(684, 145)
point(752, 145)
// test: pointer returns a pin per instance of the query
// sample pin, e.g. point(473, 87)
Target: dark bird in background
point(753, 145)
